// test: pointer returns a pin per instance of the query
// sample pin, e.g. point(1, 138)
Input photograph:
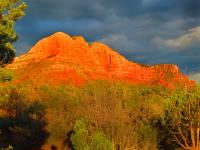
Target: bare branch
point(183, 137)
point(182, 145)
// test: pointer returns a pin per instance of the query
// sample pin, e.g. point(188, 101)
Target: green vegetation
point(99, 115)
point(6, 75)
point(10, 12)
point(81, 140)
point(183, 118)
point(22, 125)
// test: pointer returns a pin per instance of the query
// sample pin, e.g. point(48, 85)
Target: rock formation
point(61, 59)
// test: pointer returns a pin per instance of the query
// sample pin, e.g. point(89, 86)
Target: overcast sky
point(146, 31)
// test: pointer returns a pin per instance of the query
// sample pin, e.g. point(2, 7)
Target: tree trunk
point(198, 145)
point(192, 134)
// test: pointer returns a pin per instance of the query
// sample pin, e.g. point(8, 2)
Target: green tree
point(10, 12)
point(183, 118)
point(82, 139)
point(80, 135)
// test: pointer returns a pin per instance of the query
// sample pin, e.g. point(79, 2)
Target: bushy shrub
point(82, 139)
point(6, 75)
point(80, 136)
point(99, 141)
point(23, 125)
point(146, 137)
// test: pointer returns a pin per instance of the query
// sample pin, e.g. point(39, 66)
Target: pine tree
point(10, 12)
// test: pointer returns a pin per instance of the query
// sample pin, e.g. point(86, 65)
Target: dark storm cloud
point(131, 27)
point(70, 9)
point(192, 8)
point(101, 9)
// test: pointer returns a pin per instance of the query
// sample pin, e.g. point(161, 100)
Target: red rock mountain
point(60, 58)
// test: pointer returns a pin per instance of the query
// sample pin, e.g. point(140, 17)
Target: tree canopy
point(183, 118)
point(10, 12)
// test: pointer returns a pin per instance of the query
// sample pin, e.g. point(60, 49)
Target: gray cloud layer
point(187, 40)
point(132, 27)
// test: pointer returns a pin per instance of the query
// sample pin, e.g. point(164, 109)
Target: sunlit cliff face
point(61, 59)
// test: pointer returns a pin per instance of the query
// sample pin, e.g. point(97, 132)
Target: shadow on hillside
point(25, 130)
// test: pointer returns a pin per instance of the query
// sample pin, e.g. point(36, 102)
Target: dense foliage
point(183, 118)
point(10, 12)
point(6, 75)
point(99, 115)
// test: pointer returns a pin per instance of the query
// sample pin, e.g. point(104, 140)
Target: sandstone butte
point(62, 59)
